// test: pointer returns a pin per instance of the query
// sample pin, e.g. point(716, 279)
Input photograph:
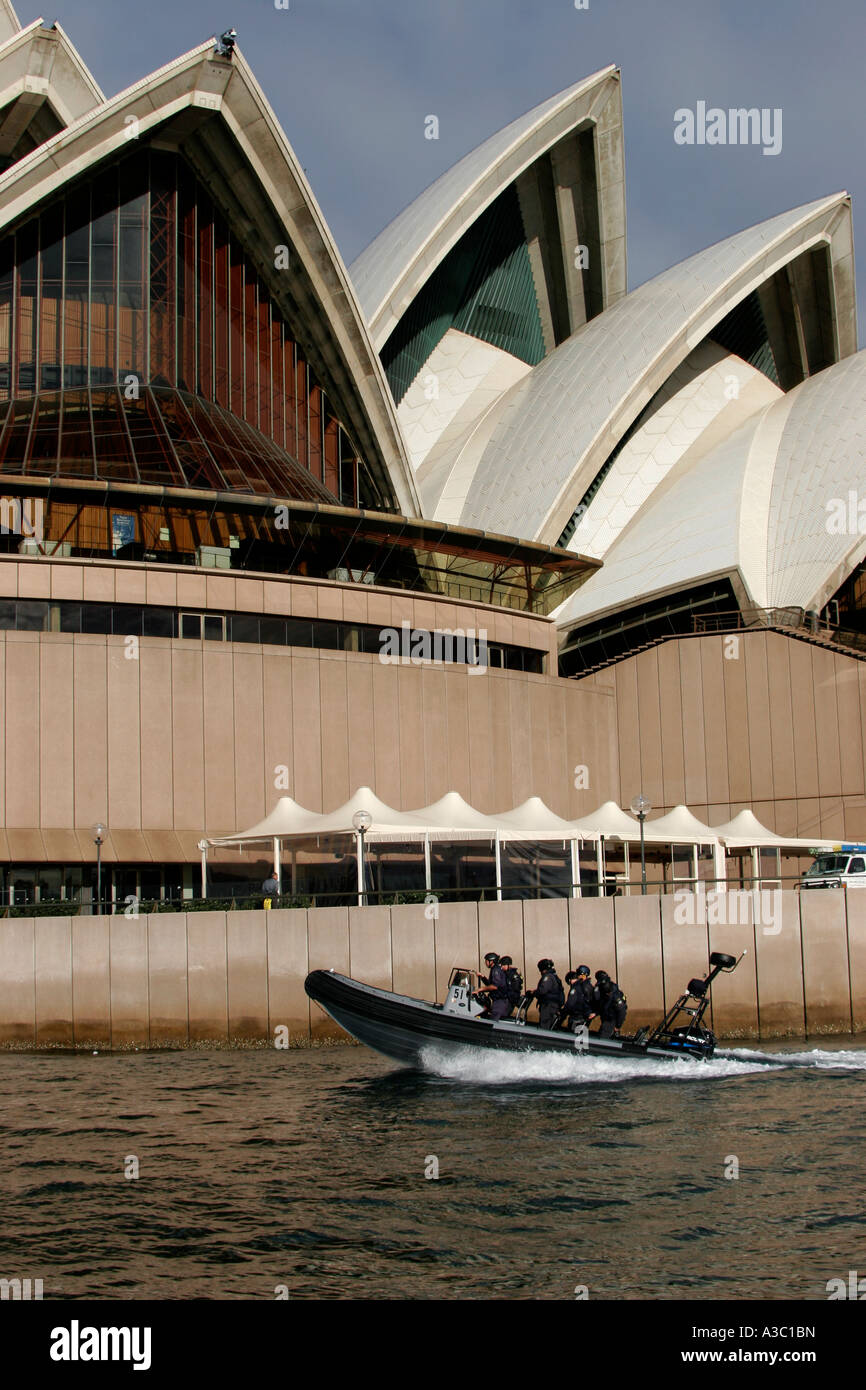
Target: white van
point(843, 866)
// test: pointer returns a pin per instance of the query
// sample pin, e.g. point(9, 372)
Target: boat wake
point(820, 1058)
point(519, 1068)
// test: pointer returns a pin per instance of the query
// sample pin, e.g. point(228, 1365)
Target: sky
point(353, 81)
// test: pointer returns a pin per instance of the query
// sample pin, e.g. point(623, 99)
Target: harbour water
point(304, 1174)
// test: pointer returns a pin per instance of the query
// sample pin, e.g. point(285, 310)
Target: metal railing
point(394, 897)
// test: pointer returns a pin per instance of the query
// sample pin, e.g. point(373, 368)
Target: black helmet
point(545, 965)
point(505, 960)
point(492, 958)
point(571, 975)
point(584, 970)
point(602, 975)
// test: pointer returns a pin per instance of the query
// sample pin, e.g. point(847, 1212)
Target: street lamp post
point(641, 805)
point(362, 820)
point(98, 838)
point(202, 844)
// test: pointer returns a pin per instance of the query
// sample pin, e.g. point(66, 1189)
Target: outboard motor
point(692, 1037)
point(459, 998)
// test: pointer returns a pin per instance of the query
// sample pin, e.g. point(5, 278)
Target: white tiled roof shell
point(821, 457)
point(756, 507)
point(556, 427)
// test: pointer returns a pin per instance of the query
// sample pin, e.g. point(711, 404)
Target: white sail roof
point(609, 819)
point(452, 818)
point(679, 826)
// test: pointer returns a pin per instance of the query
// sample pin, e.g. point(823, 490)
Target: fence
point(613, 887)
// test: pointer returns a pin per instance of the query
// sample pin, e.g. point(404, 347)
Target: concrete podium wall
point(233, 978)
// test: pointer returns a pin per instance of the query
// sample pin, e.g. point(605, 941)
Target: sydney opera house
point(229, 461)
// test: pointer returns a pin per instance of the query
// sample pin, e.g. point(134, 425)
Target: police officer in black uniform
point(495, 986)
point(548, 994)
point(579, 1002)
point(514, 983)
point(610, 1004)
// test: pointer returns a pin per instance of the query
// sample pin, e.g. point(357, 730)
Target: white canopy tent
point(745, 831)
point(452, 819)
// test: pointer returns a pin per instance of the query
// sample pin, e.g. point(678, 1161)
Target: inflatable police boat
point(407, 1030)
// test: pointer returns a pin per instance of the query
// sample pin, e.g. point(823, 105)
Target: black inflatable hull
point(419, 1034)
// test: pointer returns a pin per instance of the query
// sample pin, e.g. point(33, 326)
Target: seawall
point(189, 979)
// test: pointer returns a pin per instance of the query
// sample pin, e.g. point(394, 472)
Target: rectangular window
point(7, 284)
point(103, 282)
point(326, 635)
point(299, 633)
point(77, 289)
point(158, 622)
point(316, 456)
point(190, 625)
point(290, 395)
point(96, 617)
point(264, 361)
point(132, 272)
point(32, 616)
point(162, 261)
point(51, 300)
point(221, 314)
point(236, 341)
point(214, 627)
point(332, 456)
point(126, 620)
point(205, 299)
point(244, 628)
point(187, 307)
point(27, 316)
point(302, 407)
point(114, 458)
point(273, 631)
point(278, 405)
point(251, 345)
point(348, 471)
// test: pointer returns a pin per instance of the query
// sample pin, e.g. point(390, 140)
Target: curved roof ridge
point(620, 358)
point(54, 33)
point(80, 63)
point(814, 539)
point(98, 113)
point(9, 21)
point(387, 260)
